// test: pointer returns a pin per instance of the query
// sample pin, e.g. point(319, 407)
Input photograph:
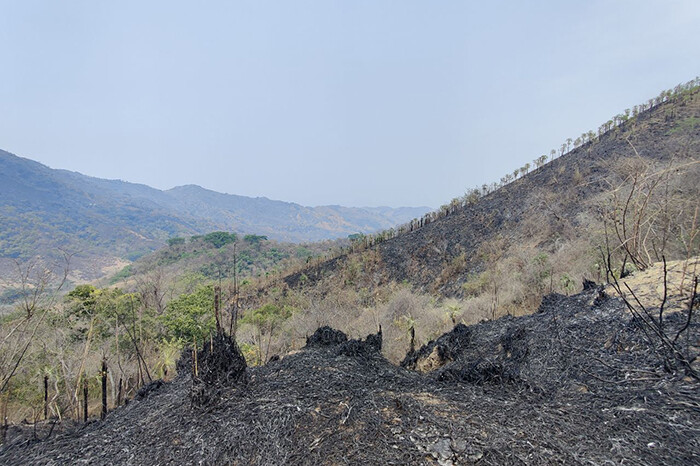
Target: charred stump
point(104, 389)
point(220, 365)
point(46, 397)
point(85, 400)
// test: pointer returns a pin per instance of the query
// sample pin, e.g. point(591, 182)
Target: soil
point(579, 382)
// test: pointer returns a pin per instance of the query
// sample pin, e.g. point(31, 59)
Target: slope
point(555, 211)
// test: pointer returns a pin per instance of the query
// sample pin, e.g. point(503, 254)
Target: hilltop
point(107, 222)
point(214, 256)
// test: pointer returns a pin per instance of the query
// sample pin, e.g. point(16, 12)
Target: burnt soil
point(579, 382)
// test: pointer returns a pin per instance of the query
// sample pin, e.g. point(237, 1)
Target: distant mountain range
point(43, 209)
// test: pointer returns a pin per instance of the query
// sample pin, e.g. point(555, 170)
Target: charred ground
point(578, 382)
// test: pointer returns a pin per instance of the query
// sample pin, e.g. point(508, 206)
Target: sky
point(355, 102)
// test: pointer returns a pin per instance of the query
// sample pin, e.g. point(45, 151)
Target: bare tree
point(648, 211)
point(39, 287)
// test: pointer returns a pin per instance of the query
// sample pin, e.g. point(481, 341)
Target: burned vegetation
point(582, 381)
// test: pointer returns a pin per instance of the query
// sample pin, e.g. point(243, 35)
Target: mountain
point(285, 221)
point(42, 209)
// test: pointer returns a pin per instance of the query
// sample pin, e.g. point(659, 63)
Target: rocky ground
point(582, 381)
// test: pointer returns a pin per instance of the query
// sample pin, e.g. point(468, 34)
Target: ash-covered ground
point(579, 382)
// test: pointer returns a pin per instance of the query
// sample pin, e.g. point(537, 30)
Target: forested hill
point(42, 209)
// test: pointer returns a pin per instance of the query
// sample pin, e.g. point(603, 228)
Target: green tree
point(219, 239)
point(541, 160)
point(540, 271)
point(175, 241)
point(82, 300)
point(255, 239)
point(190, 316)
point(266, 320)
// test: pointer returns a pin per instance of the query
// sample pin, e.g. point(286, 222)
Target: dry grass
point(648, 285)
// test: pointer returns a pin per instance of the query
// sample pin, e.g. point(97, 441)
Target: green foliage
point(406, 323)
point(176, 241)
point(255, 239)
point(541, 260)
point(275, 255)
point(266, 320)
point(92, 312)
point(168, 351)
point(686, 125)
point(567, 283)
point(191, 316)
point(136, 255)
point(353, 270)
point(268, 315)
point(250, 353)
point(82, 300)
point(198, 261)
point(472, 197)
point(540, 272)
point(476, 284)
point(302, 252)
point(123, 274)
point(219, 239)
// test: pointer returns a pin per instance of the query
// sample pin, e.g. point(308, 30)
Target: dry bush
point(476, 309)
point(404, 310)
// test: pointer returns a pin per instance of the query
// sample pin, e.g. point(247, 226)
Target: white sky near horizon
point(358, 103)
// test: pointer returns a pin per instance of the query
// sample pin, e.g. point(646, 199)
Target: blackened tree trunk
point(119, 394)
point(85, 400)
point(217, 302)
point(104, 389)
point(46, 397)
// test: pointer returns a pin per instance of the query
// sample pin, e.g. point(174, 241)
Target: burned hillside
point(553, 205)
point(581, 381)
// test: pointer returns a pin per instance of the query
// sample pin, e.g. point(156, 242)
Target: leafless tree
point(39, 287)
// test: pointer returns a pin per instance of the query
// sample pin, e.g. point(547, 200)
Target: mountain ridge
point(42, 209)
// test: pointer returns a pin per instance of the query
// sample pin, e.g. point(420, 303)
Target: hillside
point(576, 383)
point(105, 221)
point(540, 232)
point(214, 256)
point(556, 212)
point(495, 252)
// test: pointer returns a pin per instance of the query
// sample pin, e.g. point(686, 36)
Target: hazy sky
point(327, 102)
